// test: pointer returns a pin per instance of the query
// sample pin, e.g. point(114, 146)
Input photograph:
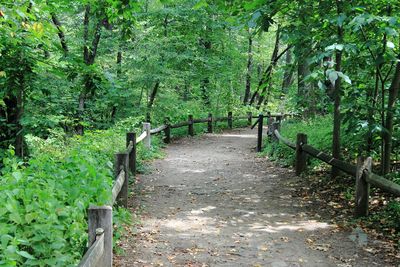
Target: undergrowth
point(44, 201)
point(384, 210)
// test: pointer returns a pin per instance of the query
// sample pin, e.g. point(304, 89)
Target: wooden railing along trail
point(100, 243)
point(362, 171)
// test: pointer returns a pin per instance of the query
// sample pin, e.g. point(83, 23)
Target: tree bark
point(152, 98)
point(60, 33)
point(249, 70)
point(336, 145)
point(89, 56)
point(205, 83)
point(288, 75)
point(274, 59)
point(388, 134)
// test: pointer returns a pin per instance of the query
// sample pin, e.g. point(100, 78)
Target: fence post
point(190, 126)
point(260, 132)
point(147, 140)
point(301, 156)
point(132, 156)
point(362, 187)
point(275, 126)
point(209, 123)
point(101, 217)
point(167, 131)
point(270, 121)
point(230, 124)
point(249, 118)
point(121, 159)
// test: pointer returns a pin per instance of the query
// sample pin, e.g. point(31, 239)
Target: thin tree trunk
point(336, 145)
point(151, 99)
point(119, 71)
point(89, 56)
point(372, 95)
point(288, 75)
point(388, 134)
point(249, 70)
point(60, 33)
point(205, 83)
point(267, 78)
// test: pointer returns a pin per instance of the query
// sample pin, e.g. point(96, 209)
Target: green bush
point(44, 201)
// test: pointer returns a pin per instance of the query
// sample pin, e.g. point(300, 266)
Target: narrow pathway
point(212, 202)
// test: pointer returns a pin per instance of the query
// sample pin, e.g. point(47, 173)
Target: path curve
point(212, 202)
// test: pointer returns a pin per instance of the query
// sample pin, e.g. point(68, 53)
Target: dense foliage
point(72, 71)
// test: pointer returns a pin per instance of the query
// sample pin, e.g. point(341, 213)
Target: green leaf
point(338, 47)
point(200, 4)
point(332, 76)
point(390, 45)
point(25, 254)
point(344, 77)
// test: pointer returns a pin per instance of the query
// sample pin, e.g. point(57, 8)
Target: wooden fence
point(362, 171)
point(100, 243)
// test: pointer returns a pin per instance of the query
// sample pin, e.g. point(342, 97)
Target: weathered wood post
point(121, 163)
point(230, 122)
point(249, 118)
point(167, 131)
point(101, 217)
point(301, 156)
point(190, 126)
point(260, 132)
point(270, 121)
point(147, 140)
point(131, 137)
point(275, 126)
point(362, 187)
point(209, 123)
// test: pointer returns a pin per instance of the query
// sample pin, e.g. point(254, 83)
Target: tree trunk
point(265, 78)
point(60, 33)
point(265, 82)
point(205, 83)
point(336, 146)
point(119, 72)
point(288, 75)
point(89, 56)
point(387, 135)
point(151, 100)
point(249, 70)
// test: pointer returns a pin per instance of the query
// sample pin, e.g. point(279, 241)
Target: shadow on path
point(212, 202)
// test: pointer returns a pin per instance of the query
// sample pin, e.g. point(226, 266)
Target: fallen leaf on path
point(285, 239)
point(321, 247)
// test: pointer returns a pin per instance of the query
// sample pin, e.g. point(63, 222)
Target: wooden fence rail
point(362, 171)
point(100, 243)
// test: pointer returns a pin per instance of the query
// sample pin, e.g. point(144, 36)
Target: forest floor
point(212, 202)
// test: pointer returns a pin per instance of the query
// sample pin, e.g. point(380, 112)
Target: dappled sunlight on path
point(212, 202)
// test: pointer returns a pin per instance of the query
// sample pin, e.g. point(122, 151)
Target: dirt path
point(211, 202)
